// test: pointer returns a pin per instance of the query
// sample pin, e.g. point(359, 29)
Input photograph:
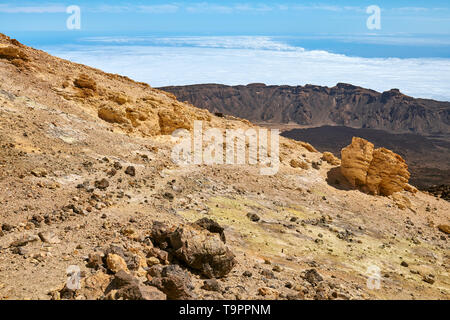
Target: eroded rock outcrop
point(379, 171)
point(14, 55)
point(388, 172)
point(330, 158)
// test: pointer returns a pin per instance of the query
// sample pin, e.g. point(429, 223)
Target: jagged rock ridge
point(312, 105)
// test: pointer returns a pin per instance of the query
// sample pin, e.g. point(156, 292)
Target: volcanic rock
point(174, 282)
point(379, 172)
point(115, 263)
point(197, 247)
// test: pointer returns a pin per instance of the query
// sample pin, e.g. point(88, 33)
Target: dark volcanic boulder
point(174, 282)
point(129, 288)
point(197, 247)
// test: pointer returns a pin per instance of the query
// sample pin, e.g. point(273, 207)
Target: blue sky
point(229, 17)
point(242, 41)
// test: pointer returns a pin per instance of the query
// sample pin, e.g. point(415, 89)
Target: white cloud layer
point(207, 8)
point(243, 60)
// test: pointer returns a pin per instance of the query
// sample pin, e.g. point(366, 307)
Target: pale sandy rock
point(95, 285)
point(171, 120)
point(379, 171)
point(356, 159)
point(113, 115)
point(388, 173)
point(331, 159)
point(12, 53)
point(295, 163)
point(411, 189)
point(308, 146)
point(85, 82)
point(49, 237)
point(115, 263)
point(401, 201)
point(120, 99)
point(268, 293)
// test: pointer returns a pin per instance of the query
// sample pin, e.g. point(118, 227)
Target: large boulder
point(197, 247)
point(379, 171)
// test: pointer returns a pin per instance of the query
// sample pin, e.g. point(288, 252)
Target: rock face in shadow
point(379, 171)
point(344, 105)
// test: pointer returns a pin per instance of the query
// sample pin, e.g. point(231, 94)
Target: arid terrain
point(87, 180)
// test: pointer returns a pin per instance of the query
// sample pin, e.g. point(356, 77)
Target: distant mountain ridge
point(343, 105)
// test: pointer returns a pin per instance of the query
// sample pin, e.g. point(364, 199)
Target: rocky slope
point(88, 182)
point(310, 105)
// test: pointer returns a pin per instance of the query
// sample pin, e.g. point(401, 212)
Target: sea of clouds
point(164, 61)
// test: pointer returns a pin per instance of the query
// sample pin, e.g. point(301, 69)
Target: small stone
point(268, 274)
point(94, 261)
point(404, 264)
point(169, 196)
point(128, 231)
point(295, 296)
point(152, 261)
point(115, 263)
point(277, 268)
point(253, 217)
point(428, 279)
point(117, 165)
point(247, 274)
point(316, 164)
point(131, 171)
point(39, 172)
point(102, 184)
point(211, 285)
point(128, 287)
point(7, 227)
point(313, 277)
point(20, 251)
point(24, 241)
point(49, 237)
point(273, 294)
